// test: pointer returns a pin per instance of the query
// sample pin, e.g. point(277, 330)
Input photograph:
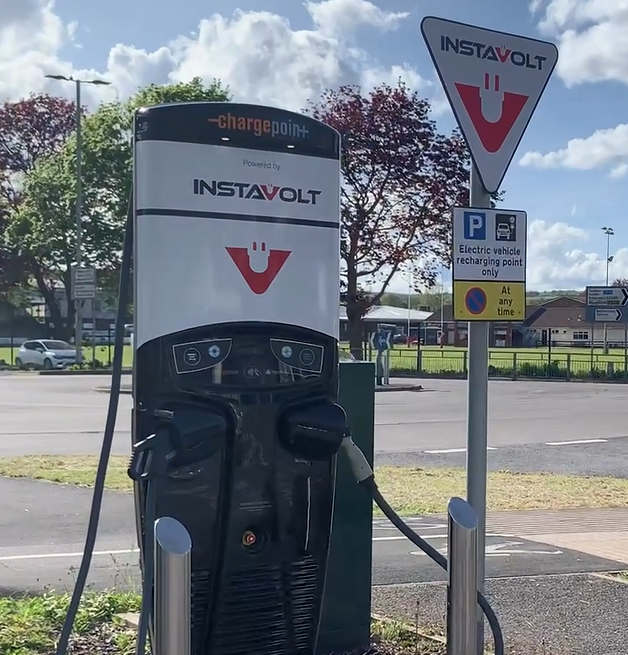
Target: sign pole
point(477, 415)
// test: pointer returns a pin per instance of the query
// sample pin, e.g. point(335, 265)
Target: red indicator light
point(249, 538)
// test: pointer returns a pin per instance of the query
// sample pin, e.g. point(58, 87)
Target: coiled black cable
point(366, 478)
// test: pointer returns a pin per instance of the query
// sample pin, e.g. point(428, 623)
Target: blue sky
point(569, 188)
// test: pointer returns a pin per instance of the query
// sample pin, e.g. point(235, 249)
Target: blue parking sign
point(474, 226)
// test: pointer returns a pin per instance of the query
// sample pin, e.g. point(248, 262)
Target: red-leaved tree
point(401, 178)
point(30, 130)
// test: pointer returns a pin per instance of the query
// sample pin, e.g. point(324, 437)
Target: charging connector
point(365, 476)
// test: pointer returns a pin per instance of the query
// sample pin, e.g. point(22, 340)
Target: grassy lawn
point(409, 490)
point(103, 354)
point(31, 625)
point(435, 359)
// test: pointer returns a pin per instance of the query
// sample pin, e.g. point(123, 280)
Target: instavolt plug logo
point(258, 265)
point(252, 191)
point(492, 111)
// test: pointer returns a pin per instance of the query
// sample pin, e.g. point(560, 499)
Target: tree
point(30, 130)
point(43, 228)
point(620, 282)
point(401, 178)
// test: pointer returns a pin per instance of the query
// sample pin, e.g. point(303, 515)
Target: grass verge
point(409, 490)
point(31, 625)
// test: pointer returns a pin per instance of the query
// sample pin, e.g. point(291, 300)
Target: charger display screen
point(247, 361)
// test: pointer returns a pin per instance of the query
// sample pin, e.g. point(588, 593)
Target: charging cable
point(103, 461)
point(364, 475)
point(149, 463)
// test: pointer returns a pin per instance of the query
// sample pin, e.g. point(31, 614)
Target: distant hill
point(431, 301)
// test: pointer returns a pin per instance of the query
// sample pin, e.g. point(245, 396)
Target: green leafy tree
point(43, 227)
point(31, 129)
point(401, 177)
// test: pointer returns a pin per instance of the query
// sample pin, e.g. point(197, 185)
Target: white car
point(46, 354)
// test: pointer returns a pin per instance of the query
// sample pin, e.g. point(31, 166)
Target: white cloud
point(620, 170)
point(607, 147)
point(560, 256)
point(258, 54)
point(339, 16)
point(591, 38)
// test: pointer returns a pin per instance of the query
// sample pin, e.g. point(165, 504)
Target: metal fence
point(544, 363)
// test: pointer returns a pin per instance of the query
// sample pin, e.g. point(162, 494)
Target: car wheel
point(47, 364)
point(18, 363)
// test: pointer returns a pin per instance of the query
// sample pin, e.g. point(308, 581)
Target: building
point(406, 321)
point(562, 322)
point(501, 334)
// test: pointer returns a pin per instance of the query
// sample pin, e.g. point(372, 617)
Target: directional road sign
point(489, 264)
point(380, 341)
point(607, 296)
point(607, 315)
point(493, 81)
point(607, 305)
point(83, 283)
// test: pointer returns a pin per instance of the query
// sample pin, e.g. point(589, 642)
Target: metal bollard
point(462, 590)
point(173, 588)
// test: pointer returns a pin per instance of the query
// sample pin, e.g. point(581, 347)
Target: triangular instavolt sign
point(493, 81)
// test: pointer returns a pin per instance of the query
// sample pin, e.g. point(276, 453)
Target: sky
point(570, 172)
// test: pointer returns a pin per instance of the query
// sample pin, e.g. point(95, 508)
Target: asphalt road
point(63, 415)
point(533, 425)
point(43, 530)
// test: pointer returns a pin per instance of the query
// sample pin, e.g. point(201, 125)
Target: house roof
point(557, 317)
point(388, 313)
point(383, 313)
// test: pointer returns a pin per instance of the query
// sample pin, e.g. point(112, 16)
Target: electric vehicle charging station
point(235, 424)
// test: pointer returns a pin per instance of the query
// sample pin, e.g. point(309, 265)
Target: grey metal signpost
point(493, 81)
point(83, 288)
point(477, 410)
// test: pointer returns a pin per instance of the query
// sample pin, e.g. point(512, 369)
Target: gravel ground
point(102, 642)
point(545, 615)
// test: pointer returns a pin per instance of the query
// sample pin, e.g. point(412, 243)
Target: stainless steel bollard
point(172, 615)
point(462, 590)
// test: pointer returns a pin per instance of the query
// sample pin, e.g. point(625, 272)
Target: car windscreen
point(57, 345)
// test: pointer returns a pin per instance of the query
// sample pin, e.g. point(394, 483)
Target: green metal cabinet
point(346, 617)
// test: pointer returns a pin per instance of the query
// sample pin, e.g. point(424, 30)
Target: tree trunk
point(355, 329)
point(60, 327)
point(355, 310)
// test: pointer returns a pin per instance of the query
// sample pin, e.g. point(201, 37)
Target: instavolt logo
point(488, 52)
point(251, 191)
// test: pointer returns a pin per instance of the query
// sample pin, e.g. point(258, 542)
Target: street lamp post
point(442, 303)
point(409, 304)
point(609, 232)
point(78, 304)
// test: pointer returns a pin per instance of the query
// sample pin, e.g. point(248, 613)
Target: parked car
point(46, 354)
